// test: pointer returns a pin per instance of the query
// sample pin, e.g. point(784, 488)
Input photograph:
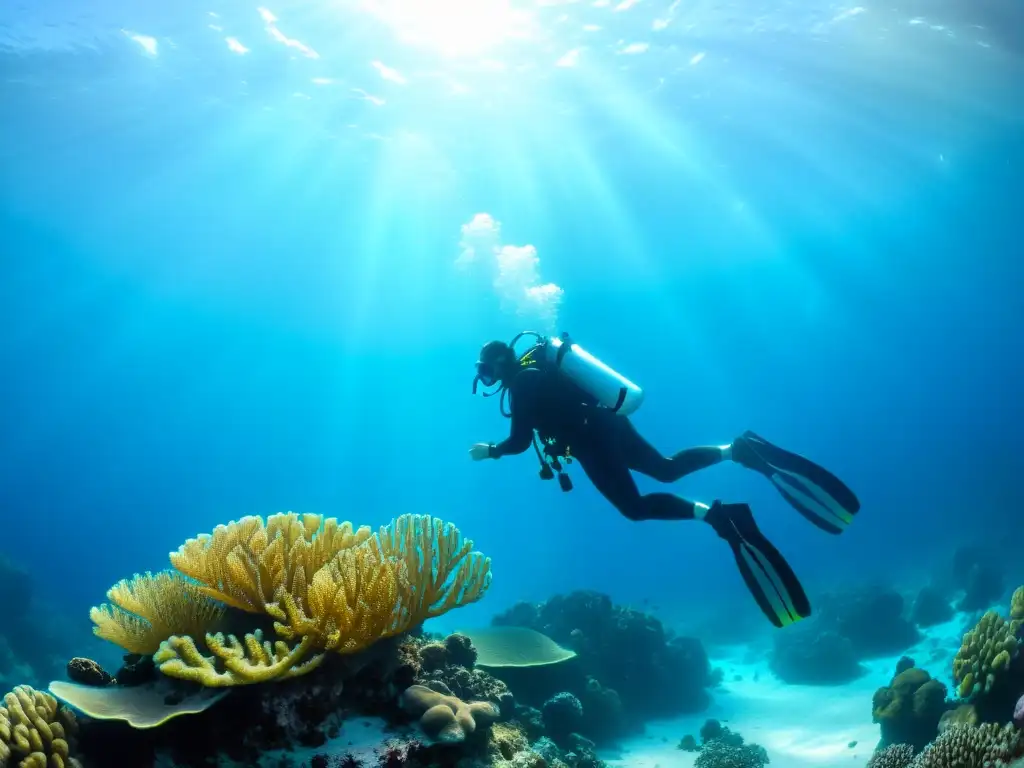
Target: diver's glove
point(481, 451)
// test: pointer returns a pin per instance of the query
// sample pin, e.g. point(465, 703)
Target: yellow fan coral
point(414, 569)
point(444, 571)
point(148, 609)
point(328, 586)
point(353, 602)
point(248, 564)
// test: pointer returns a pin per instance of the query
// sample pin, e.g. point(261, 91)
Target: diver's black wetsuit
point(608, 447)
point(605, 444)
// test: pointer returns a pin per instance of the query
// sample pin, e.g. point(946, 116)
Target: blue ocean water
point(248, 256)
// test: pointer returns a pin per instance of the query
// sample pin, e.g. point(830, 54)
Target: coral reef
point(909, 708)
point(986, 746)
point(988, 669)
point(562, 716)
point(806, 655)
point(627, 668)
point(960, 746)
point(851, 626)
point(313, 629)
point(36, 731)
point(871, 618)
point(721, 747)
point(145, 722)
point(327, 587)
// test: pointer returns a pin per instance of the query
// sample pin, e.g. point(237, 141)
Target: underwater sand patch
point(141, 706)
point(515, 647)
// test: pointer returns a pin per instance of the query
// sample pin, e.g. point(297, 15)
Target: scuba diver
point(570, 406)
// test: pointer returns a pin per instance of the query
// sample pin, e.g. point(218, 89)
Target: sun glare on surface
point(453, 27)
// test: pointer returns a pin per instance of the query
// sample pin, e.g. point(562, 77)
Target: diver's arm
point(523, 394)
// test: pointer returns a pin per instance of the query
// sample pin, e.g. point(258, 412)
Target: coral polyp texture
point(893, 756)
point(150, 608)
point(35, 731)
point(325, 585)
point(985, 653)
point(251, 563)
point(963, 746)
point(1017, 609)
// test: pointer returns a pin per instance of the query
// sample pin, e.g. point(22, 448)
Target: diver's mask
point(499, 363)
point(485, 374)
point(493, 366)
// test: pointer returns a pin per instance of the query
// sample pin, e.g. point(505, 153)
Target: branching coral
point(328, 586)
point(250, 563)
point(445, 571)
point(721, 754)
point(413, 570)
point(253, 661)
point(961, 746)
point(35, 731)
point(148, 609)
point(353, 601)
point(985, 652)
point(893, 756)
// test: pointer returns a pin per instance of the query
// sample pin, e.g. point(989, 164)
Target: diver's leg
point(765, 571)
point(606, 467)
point(812, 490)
point(647, 460)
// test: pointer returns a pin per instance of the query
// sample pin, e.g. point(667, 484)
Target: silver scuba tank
point(611, 389)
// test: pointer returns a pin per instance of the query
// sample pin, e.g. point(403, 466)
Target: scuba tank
point(611, 389)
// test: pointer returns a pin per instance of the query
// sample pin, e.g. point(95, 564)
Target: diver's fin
point(768, 576)
point(812, 490)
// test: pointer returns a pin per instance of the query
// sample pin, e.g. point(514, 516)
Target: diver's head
point(497, 363)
